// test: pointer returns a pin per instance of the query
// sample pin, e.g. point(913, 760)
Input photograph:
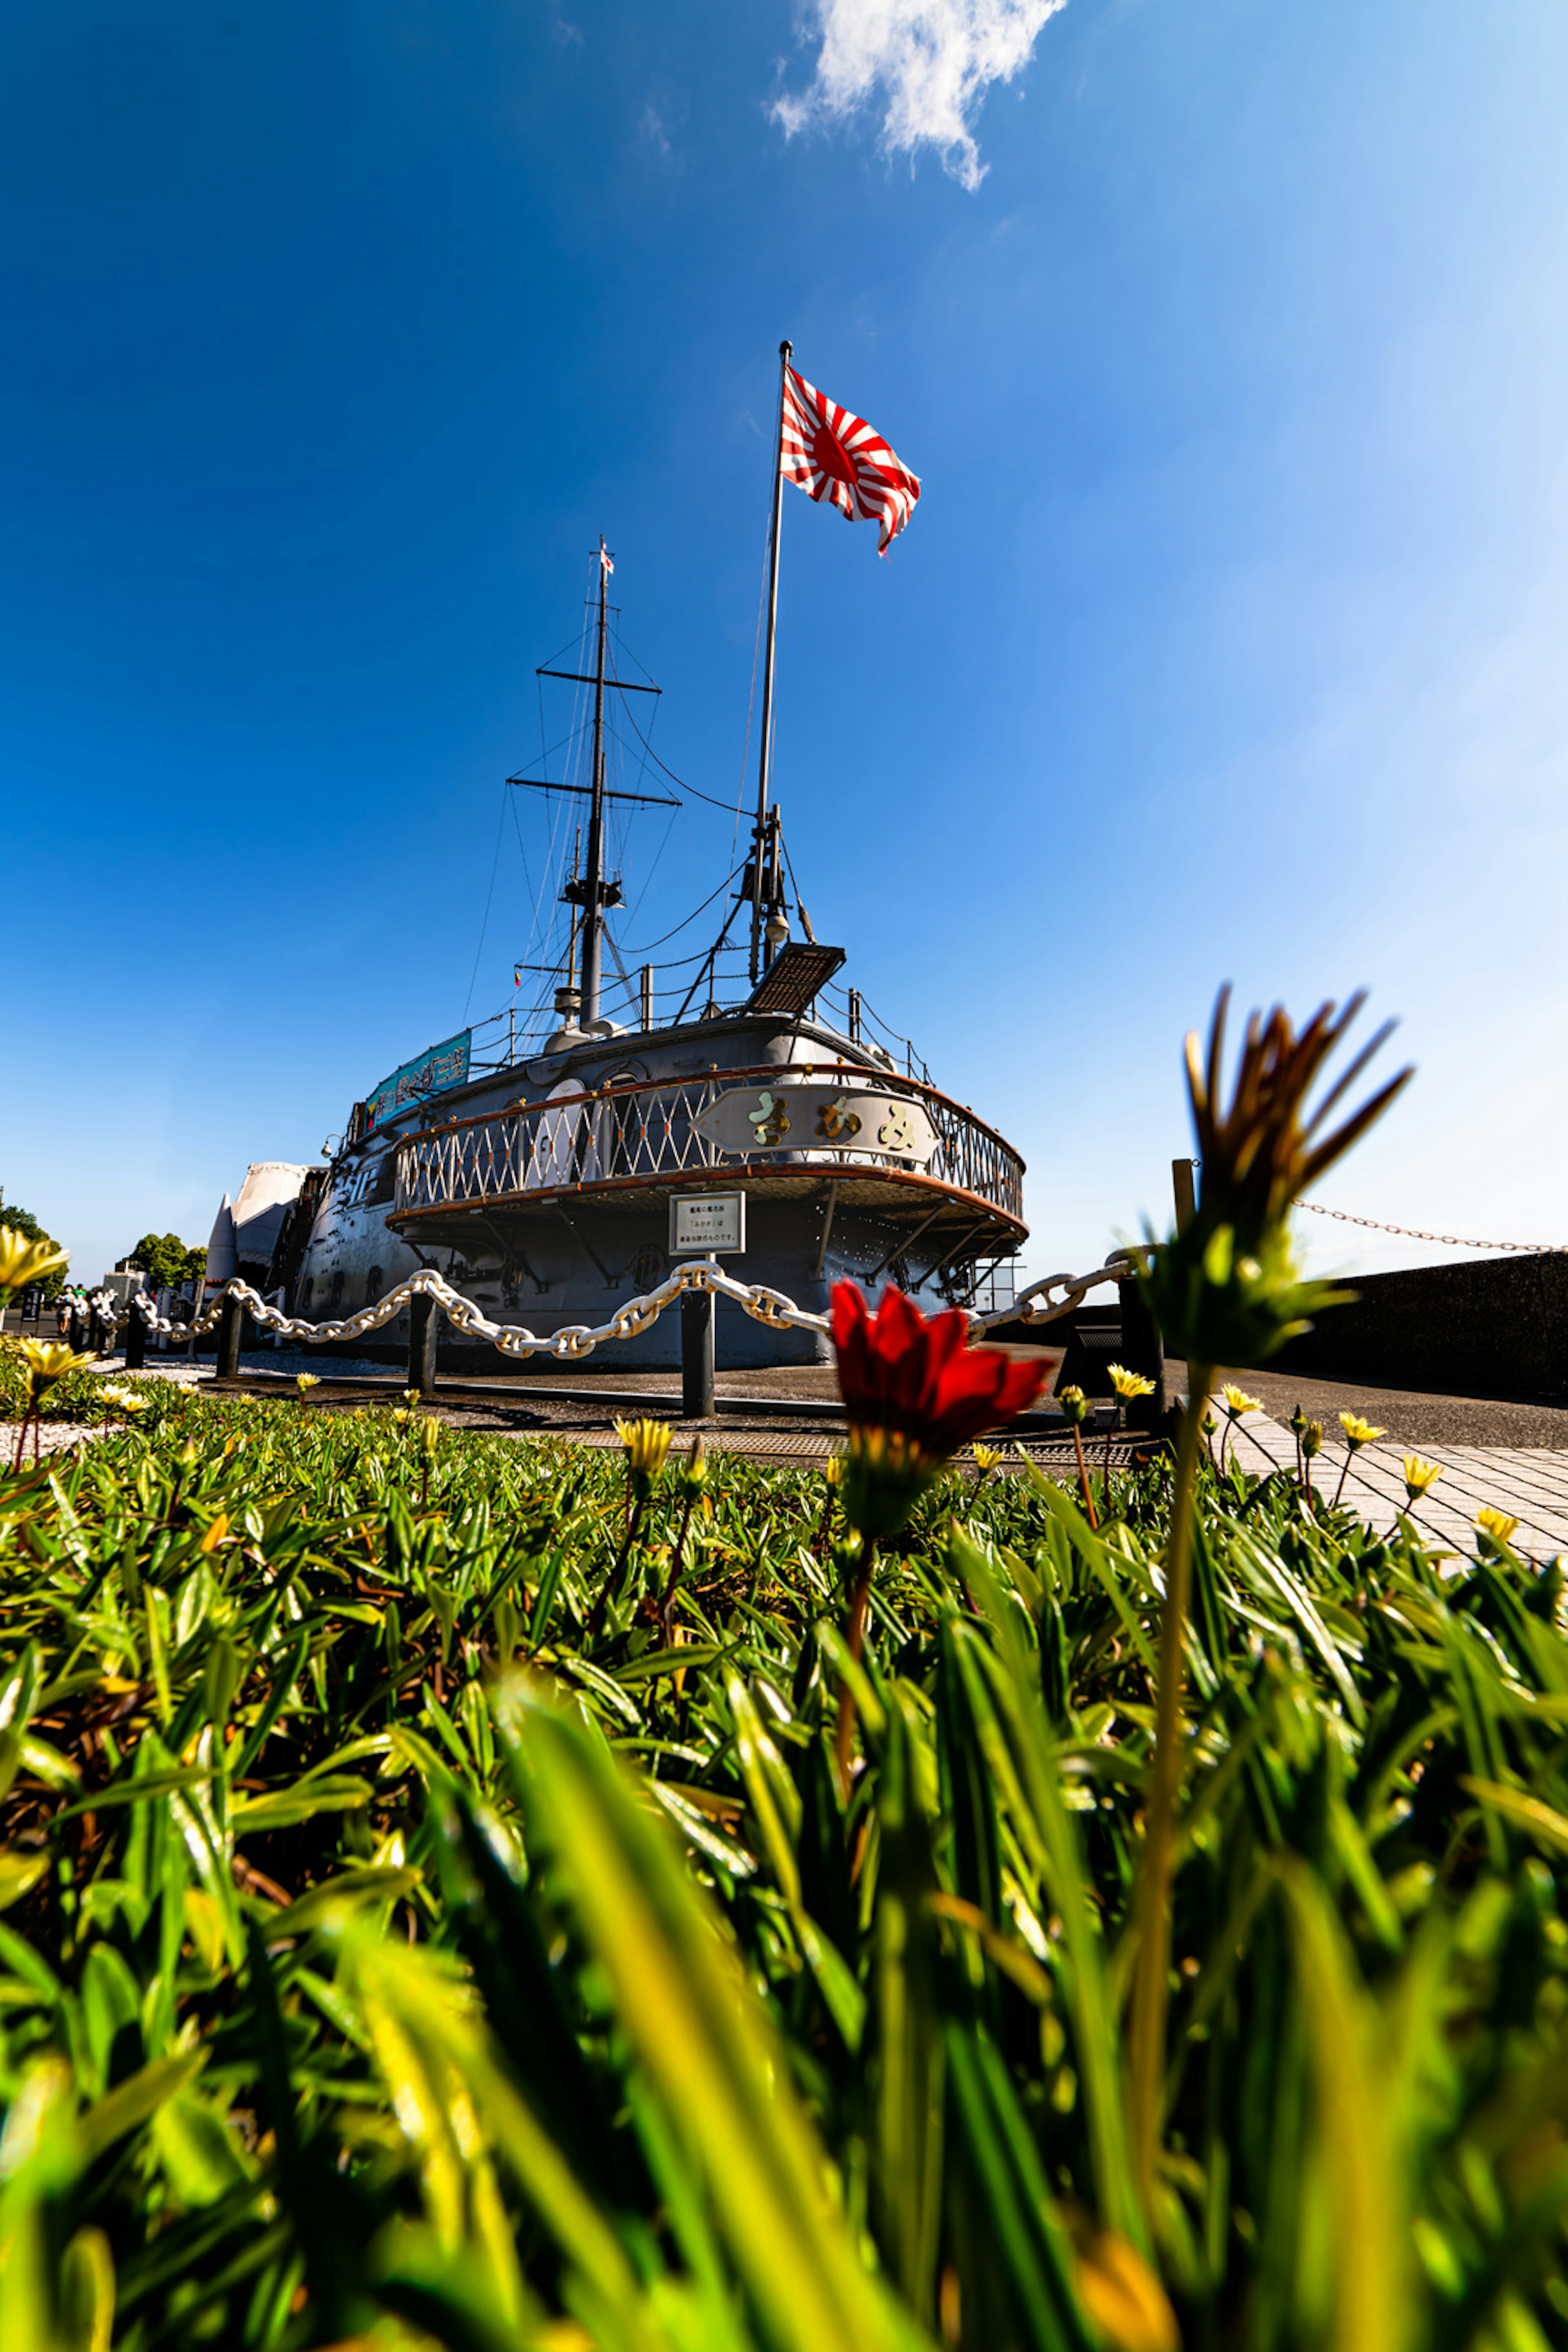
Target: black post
point(696, 1356)
point(135, 1337)
point(76, 1337)
point(422, 1313)
point(1142, 1350)
point(230, 1322)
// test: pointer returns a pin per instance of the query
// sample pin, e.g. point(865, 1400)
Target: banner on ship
point(436, 1072)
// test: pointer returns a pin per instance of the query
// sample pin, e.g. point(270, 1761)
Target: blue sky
point(1227, 642)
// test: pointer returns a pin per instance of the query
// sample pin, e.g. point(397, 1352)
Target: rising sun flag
point(831, 454)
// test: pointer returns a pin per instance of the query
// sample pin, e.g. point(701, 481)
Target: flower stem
point(844, 1737)
point(612, 1582)
point(1083, 1475)
point(1344, 1473)
point(667, 1599)
point(1152, 1967)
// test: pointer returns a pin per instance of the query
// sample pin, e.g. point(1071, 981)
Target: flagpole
point(765, 765)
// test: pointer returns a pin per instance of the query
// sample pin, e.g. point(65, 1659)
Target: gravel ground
point(55, 1436)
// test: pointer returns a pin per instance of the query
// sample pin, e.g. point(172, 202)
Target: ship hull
point(544, 1192)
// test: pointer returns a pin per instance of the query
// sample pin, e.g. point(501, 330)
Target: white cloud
point(928, 63)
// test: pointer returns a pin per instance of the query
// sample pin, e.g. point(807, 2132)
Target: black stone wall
point(1497, 1326)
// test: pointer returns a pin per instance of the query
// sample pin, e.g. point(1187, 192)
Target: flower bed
point(387, 1956)
point(470, 1893)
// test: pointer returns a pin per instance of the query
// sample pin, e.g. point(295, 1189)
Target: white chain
point(578, 1340)
point(1035, 1304)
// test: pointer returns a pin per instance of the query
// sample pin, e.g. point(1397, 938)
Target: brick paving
point(1531, 1482)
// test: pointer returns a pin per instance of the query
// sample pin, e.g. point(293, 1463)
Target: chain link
point(1034, 1305)
point(1414, 1233)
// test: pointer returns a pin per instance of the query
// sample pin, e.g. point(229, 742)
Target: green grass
point(385, 1959)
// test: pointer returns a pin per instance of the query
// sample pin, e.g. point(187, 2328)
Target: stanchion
point(1143, 1351)
point(231, 1318)
point(135, 1340)
point(422, 1313)
point(696, 1356)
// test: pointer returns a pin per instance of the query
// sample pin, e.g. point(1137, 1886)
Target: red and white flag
point(836, 455)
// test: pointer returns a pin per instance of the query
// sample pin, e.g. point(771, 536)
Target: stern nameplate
point(819, 1122)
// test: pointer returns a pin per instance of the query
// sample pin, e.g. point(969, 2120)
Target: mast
point(593, 888)
point(765, 763)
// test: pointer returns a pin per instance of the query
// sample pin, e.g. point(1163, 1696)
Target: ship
point(741, 1101)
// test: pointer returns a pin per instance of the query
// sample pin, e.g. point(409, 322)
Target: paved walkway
point(1531, 1482)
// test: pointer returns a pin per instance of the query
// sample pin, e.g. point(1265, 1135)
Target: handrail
point(559, 1145)
point(893, 1081)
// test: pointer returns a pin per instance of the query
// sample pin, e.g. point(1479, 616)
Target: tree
point(22, 1221)
point(166, 1260)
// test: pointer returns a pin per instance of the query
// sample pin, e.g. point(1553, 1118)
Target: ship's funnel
point(222, 1258)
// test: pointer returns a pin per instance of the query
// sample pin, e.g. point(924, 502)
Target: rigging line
point(545, 877)
point(664, 845)
point(789, 862)
point(615, 957)
point(712, 963)
point(688, 919)
point(527, 876)
point(560, 741)
point(695, 789)
point(485, 921)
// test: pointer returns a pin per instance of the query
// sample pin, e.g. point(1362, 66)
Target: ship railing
point(649, 1129)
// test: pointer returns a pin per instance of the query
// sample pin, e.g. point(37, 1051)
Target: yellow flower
point(1496, 1524)
point(1359, 1432)
point(218, 1533)
point(833, 1469)
point(49, 1361)
point(1129, 1386)
point(1419, 1476)
point(987, 1458)
point(694, 1469)
point(305, 1381)
point(23, 1261)
point(646, 1444)
point(1073, 1404)
point(1237, 1401)
point(410, 1396)
point(1312, 1440)
point(430, 1434)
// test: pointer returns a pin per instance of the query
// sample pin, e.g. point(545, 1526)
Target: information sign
point(707, 1224)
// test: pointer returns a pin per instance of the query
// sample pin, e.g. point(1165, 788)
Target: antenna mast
point(593, 880)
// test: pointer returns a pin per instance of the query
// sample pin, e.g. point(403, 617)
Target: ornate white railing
point(654, 1129)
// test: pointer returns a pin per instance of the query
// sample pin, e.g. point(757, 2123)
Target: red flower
point(913, 1393)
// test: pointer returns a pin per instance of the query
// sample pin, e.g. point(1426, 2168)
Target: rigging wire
point(695, 789)
point(688, 919)
point(485, 919)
